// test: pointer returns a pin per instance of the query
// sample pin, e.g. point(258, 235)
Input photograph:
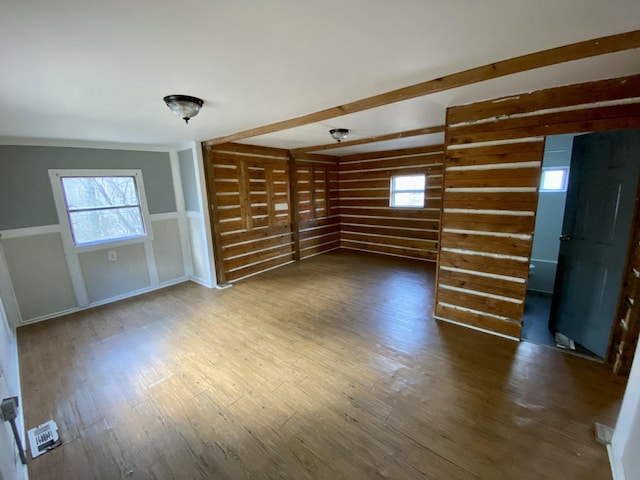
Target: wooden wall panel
point(248, 190)
point(318, 204)
point(269, 208)
point(626, 329)
point(368, 223)
point(493, 158)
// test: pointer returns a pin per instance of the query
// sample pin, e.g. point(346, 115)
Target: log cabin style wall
point(626, 330)
point(493, 162)
point(268, 208)
point(316, 181)
point(368, 223)
point(248, 190)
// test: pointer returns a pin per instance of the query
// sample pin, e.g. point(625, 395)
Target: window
point(554, 179)
point(407, 191)
point(108, 207)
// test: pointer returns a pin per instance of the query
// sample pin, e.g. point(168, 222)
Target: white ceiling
point(97, 70)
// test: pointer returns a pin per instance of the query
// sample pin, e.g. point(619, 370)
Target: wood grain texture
point(217, 227)
point(249, 188)
point(377, 138)
point(318, 205)
point(518, 124)
point(525, 103)
point(626, 325)
point(553, 56)
point(368, 222)
point(356, 381)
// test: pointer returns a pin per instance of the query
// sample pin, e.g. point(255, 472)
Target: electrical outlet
point(112, 256)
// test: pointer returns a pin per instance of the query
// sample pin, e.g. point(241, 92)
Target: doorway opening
point(581, 240)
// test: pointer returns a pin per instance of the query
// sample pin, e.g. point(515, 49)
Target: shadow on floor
point(535, 327)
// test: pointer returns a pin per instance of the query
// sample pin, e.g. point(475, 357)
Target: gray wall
point(39, 274)
point(549, 217)
point(43, 277)
point(26, 199)
point(106, 279)
point(189, 181)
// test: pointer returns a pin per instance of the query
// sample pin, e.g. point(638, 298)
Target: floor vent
point(43, 438)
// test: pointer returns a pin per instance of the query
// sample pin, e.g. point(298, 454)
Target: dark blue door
point(595, 236)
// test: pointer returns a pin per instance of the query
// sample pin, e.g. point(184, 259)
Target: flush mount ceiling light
point(184, 106)
point(339, 134)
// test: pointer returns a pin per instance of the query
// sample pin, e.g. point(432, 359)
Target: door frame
point(634, 231)
point(511, 125)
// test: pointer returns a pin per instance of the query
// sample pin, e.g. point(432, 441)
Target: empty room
point(320, 240)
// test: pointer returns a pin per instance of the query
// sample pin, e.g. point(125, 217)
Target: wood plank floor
point(328, 368)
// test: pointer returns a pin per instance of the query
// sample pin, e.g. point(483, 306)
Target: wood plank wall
point(626, 330)
point(318, 204)
point(492, 165)
point(248, 191)
point(264, 213)
point(368, 222)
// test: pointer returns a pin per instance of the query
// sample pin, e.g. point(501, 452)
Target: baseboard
point(617, 470)
point(106, 301)
point(202, 282)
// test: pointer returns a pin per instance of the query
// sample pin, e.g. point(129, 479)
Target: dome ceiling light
point(184, 106)
point(339, 134)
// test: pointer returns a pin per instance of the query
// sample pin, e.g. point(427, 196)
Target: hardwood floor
point(328, 368)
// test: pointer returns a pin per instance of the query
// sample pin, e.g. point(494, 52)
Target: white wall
point(624, 451)
point(10, 466)
point(193, 185)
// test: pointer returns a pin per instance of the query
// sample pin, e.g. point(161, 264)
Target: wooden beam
point(393, 153)
point(316, 158)
point(545, 58)
point(379, 138)
point(242, 148)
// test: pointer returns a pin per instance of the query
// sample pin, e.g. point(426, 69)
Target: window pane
point(408, 182)
point(108, 224)
point(408, 199)
point(553, 179)
point(91, 192)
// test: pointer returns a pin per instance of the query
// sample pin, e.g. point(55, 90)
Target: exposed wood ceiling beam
point(545, 58)
point(400, 152)
point(379, 138)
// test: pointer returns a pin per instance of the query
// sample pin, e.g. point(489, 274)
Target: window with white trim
point(108, 207)
point(554, 179)
point(407, 191)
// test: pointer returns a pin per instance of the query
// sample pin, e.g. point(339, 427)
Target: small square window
point(407, 191)
point(554, 179)
point(101, 207)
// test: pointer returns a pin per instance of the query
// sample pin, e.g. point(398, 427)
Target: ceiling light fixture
point(184, 106)
point(339, 134)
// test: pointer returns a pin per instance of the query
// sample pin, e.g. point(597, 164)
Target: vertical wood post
point(314, 205)
point(327, 194)
point(209, 172)
point(244, 188)
point(295, 206)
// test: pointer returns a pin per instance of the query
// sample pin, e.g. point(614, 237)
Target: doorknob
point(565, 238)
